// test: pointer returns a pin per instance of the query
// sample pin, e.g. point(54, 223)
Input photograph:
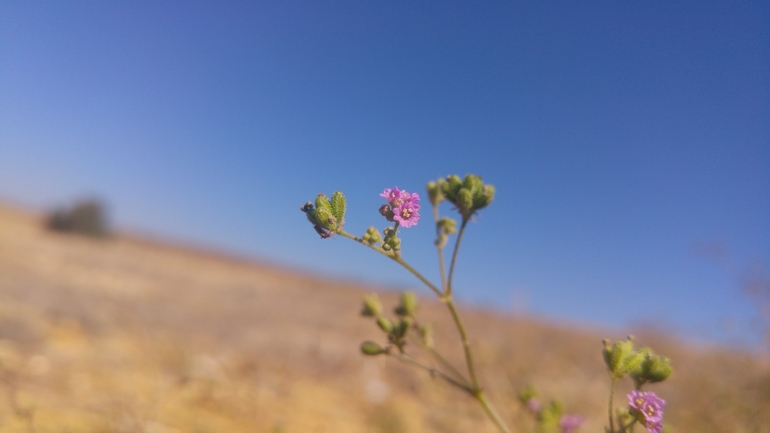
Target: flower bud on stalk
point(436, 191)
point(371, 348)
point(385, 324)
point(372, 306)
point(652, 369)
point(372, 236)
point(408, 304)
point(621, 358)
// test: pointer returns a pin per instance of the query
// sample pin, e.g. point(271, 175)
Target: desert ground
point(126, 334)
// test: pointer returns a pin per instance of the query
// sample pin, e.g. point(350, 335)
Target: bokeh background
point(629, 144)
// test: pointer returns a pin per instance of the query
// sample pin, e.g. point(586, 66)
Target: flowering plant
point(469, 195)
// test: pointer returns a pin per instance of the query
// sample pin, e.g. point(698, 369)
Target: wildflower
point(395, 196)
point(404, 207)
point(534, 405)
point(648, 409)
point(570, 423)
point(407, 214)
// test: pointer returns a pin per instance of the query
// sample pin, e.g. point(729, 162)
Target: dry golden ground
point(126, 335)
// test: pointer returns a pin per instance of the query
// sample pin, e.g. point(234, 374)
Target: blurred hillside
point(128, 335)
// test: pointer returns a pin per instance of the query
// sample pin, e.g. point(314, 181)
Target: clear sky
point(622, 137)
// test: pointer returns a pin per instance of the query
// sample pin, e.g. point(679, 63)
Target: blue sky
point(621, 137)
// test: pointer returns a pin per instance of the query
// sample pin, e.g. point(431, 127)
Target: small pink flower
point(534, 405)
point(405, 206)
point(407, 214)
point(570, 423)
point(648, 408)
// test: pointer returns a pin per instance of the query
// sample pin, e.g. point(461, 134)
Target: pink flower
point(648, 408)
point(407, 214)
point(570, 423)
point(405, 206)
point(534, 405)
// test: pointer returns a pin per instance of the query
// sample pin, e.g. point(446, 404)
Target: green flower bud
point(435, 191)
point(322, 202)
point(371, 348)
point(403, 327)
point(372, 236)
point(657, 369)
point(391, 242)
point(385, 324)
point(472, 183)
point(325, 219)
point(338, 207)
point(464, 202)
point(447, 225)
point(408, 304)
point(653, 369)
point(632, 362)
point(452, 187)
point(616, 357)
point(372, 306)
point(484, 197)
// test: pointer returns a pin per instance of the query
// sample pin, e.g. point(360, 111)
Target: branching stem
point(454, 256)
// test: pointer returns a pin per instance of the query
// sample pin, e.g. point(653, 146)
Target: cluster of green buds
point(641, 364)
point(469, 194)
point(327, 216)
point(391, 242)
point(372, 236)
point(653, 369)
point(396, 329)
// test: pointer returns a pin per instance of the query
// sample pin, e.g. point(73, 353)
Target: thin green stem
point(395, 258)
point(492, 412)
point(454, 256)
point(440, 249)
point(464, 338)
point(408, 359)
point(441, 359)
point(612, 397)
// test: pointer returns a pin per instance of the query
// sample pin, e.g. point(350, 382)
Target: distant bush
point(86, 218)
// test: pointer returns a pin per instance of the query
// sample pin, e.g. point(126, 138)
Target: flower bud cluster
point(327, 216)
point(372, 236)
point(391, 241)
point(653, 369)
point(641, 364)
point(469, 194)
point(396, 329)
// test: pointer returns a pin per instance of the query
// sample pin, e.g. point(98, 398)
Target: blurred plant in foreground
point(469, 195)
point(86, 218)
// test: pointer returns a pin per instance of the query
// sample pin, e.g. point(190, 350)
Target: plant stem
point(406, 358)
point(491, 412)
point(612, 397)
point(464, 338)
point(454, 256)
point(393, 257)
point(441, 359)
point(440, 249)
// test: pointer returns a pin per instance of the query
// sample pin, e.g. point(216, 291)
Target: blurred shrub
point(86, 218)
